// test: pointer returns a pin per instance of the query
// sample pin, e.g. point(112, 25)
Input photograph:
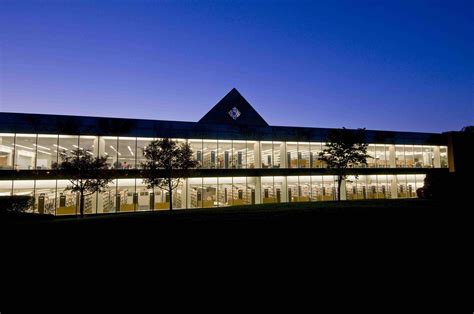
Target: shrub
point(15, 204)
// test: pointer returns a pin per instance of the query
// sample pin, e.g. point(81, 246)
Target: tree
point(88, 174)
point(166, 164)
point(345, 149)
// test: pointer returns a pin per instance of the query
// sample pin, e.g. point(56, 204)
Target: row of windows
point(123, 195)
point(42, 151)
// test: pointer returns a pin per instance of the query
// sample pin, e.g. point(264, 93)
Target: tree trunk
point(339, 183)
point(81, 205)
point(171, 195)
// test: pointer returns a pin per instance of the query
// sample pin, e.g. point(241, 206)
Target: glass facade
point(43, 151)
point(129, 195)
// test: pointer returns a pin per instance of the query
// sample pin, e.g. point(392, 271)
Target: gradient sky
point(389, 65)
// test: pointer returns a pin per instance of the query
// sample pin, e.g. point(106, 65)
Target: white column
point(391, 157)
point(283, 161)
point(184, 194)
point(258, 190)
point(394, 187)
point(257, 155)
point(284, 187)
point(343, 190)
point(437, 157)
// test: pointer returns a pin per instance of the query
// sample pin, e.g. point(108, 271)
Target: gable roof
point(224, 113)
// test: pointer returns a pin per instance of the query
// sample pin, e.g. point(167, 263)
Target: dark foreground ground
point(314, 213)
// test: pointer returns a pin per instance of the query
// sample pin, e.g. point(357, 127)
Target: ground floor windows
point(129, 195)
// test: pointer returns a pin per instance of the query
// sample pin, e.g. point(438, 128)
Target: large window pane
point(252, 154)
point(45, 196)
point(67, 143)
point(108, 147)
point(127, 152)
point(240, 154)
point(371, 161)
point(418, 156)
point(278, 153)
point(316, 148)
point(24, 188)
point(126, 199)
point(252, 197)
point(443, 154)
point(428, 156)
point(292, 154)
point(380, 156)
point(268, 193)
point(224, 158)
point(400, 156)
point(195, 192)
point(142, 143)
point(25, 151)
point(47, 152)
point(409, 157)
point(107, 199)
point(267, 154)
point(209, 196)
point(196, 147)
point(210, 154)
point(239, 191)
point(7, 150)
point(304, 189)
point(6, 187)
point(303, 155)
point(225, 192)
point(67, 202)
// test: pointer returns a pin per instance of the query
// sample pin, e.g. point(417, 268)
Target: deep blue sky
point(387, 65)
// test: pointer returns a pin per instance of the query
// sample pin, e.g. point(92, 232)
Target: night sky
point(384, 65)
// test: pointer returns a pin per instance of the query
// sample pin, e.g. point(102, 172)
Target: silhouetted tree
point(345, 149)
point(166, 164)
point(87, 174)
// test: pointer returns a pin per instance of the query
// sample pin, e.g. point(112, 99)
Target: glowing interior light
point(60, 147)
point(42, 147)
point(115, 150)
point(130, 150)
point(18, 145)
point(40, 151)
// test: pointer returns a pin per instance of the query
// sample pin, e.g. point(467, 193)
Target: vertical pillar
point(283, 159)
point(257, 155)
point(391, 156)
point(284, 187)
point(343, 190)
point(393, 187)
point(184, 194)
point(437, 157)
point(258, 190)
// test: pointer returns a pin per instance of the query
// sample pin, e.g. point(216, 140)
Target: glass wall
point(127, 152)
point(267, 154)
point(210, 154)
point(25, 151)
point(7, 150)
point(142, 143)
point(443, 153)
point(224, 157)
point(196, 147)
point(46, 150)
point(42, 151)
point(45, 196)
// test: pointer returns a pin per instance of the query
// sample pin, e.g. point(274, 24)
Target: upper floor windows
point(42, 151)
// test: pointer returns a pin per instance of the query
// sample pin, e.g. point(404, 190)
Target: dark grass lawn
point(284, 213)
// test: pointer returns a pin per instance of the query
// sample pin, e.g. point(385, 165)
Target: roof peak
point(233, 109)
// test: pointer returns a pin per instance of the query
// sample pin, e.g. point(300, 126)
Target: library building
point(241, 160)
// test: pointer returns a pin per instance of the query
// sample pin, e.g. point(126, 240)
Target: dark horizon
point(404, 66)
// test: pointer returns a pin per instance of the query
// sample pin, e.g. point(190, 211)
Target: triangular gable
point(235, 110)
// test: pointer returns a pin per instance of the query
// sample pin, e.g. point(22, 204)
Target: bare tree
point(166, 164)
point(88, 174)
point(345, 149)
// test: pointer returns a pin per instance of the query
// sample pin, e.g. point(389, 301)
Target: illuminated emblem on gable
point(234, 113)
